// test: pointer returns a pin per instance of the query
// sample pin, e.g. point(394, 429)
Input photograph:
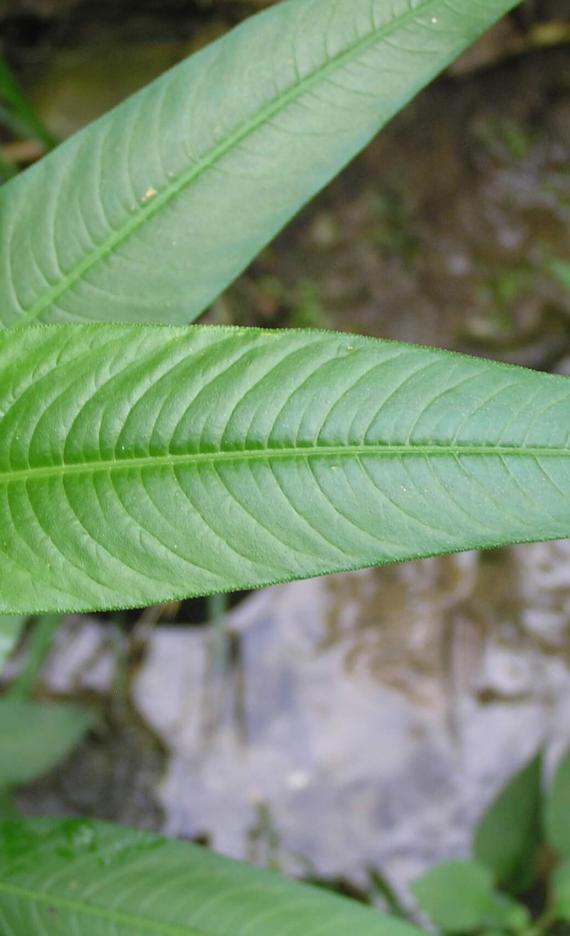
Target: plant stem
point(41, 639)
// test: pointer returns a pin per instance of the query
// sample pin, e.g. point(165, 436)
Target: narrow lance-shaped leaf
point(100, 880)
point(154, 209)
point(139, 464)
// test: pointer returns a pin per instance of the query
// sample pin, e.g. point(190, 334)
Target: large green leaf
point(152, 210)
point(508, 837)
point(141, 463)
point(99, 880)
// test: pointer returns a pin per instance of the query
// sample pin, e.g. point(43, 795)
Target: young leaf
point(10, 629)
point(95, 879)
point(34, 738)
point(457, 895)
point(140, 464)
point(557, 809)
point(508, 836)
point(155, 208)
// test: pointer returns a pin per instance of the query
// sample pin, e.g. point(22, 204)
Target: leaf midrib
point(177, 184)
point(384, 450)
point(139, 924)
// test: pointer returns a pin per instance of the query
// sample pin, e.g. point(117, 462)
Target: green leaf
point(557, 809)
point(10, 629)
point(560, 892)
point(456, 895)
point(508, 836)
point(561, 270)
point(96, 879)
point(19, 116)
point(142, 464)
point(156, 207)
point(34, 738)
point(505, 913)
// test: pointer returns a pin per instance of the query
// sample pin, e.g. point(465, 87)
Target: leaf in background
point(143, 464)
point(508, 836)
point(557, 809)
point(17, 113)
point(561, 270)
point(34, 738)
point(560, 892)
point(507, 914)
point(457, 895)
point(10, 629)
point(96, 879)
point(155, 208)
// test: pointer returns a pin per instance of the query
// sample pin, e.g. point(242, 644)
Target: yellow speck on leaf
point(150, 193)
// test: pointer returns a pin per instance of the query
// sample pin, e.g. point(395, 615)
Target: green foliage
point(95, 879)
point(35, 737)
point(508, 837)
point(457, 895)
point(460, 897)
point(150, 212)
point(16, 113)
point(10, 629)
point(560, 269)
point(560, 892)
point(557, 809)
point(137, 463)
point(140, 463)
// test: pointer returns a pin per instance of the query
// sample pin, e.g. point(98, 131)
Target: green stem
point(41, 640)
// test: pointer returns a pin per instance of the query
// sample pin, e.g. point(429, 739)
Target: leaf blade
point(138, 464)
point(457, 895)
point(557, 809)
point(161, 203)
point(143, 884)
point(508, 836)
point(36, 737)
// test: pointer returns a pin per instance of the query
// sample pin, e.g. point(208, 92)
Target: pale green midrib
point(177, 185)
point(384, 450)
point(113, 916)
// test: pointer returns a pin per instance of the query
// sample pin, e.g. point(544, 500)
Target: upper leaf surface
point(139, 464)
point(150, 212)
point(99, 880)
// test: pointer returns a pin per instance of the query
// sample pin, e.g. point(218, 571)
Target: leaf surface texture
point(100, 880)
point(139, 464)
point(151, 211)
